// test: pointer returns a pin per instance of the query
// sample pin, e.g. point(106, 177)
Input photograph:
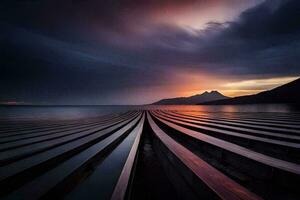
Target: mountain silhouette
point(199, 98)
point(288, 94)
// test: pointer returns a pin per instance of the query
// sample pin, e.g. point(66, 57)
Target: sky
point(139, 51)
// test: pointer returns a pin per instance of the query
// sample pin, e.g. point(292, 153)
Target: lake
point(77, 112)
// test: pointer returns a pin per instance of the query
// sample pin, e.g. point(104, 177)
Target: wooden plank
point(243, 121)
point(254, 115)
point(37, 130)
point(37, 124)
point(123, 181)
point(230, 133)
point(12, 170)
point(48, 124)
point(262, 125)
point(21, 152)
point(223, 186)
point(254, 118)
point(19, 123)
point(232, 126)
point(236, 149)
point(21, 139)
point(40, 186)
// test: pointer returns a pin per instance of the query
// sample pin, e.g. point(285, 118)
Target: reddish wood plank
point(223, 186)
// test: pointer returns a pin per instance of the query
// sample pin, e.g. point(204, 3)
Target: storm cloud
point(109, 52)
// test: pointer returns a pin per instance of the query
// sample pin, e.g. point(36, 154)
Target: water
point(77, 112)
point(58, 112)
point(278, 108)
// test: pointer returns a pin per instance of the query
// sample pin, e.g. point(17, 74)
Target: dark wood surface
point(222, 185)
point(55, 158)
point(268, 160)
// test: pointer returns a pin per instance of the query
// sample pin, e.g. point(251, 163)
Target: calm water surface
point(77, 112)
point(58, 112)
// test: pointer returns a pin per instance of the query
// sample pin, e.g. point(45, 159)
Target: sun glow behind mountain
point(192, 84)
point(136, 52)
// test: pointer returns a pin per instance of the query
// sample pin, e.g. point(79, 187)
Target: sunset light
point(150, 99)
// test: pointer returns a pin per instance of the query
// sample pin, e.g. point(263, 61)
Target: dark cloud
point(38, 69)
point(265, 41)
point(89, 51)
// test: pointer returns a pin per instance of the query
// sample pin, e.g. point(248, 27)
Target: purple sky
point(138, 51)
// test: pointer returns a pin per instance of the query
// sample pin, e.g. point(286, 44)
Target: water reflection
point(77, 112)
point(281, 108)
point(58, 112)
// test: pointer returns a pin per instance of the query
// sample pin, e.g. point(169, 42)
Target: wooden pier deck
point(199, 155)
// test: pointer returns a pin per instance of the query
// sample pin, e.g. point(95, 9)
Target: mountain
point(288, 94)
point(204, 97)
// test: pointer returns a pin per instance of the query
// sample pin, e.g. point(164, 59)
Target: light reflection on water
point(281, 108)
point(57, 112)
point(77, 112)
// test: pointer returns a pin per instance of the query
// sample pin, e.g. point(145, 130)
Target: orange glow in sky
point(253, 86)
point(188, 84)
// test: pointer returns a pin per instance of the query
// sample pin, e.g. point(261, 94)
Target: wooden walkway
point(218, 155)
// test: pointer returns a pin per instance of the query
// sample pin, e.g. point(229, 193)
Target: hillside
point(204, 97)
point(288, 93)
